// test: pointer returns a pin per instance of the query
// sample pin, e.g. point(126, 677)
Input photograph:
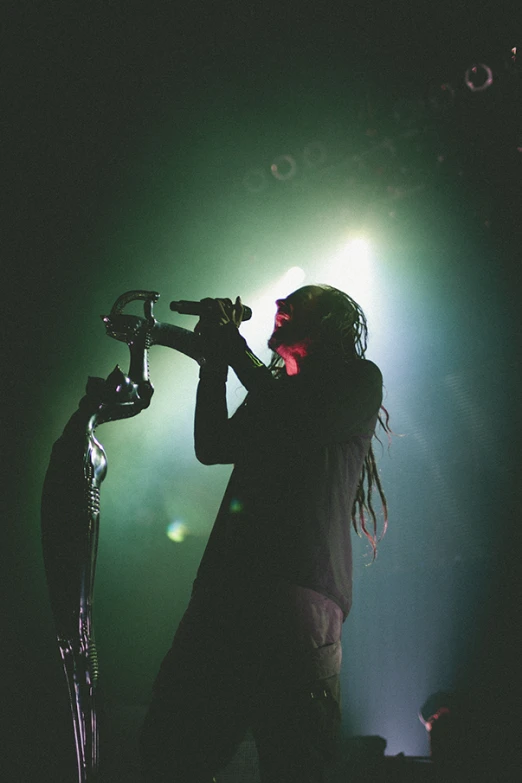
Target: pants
point(272, 667)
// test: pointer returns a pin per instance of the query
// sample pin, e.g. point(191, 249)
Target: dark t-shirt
point(298, 445)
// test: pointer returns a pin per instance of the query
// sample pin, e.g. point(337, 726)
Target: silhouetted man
point(259, 646)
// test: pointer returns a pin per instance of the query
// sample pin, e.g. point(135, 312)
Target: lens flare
point(177, 531)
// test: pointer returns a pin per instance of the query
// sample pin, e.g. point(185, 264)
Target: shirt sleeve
point(212, 441)
point(218, 439)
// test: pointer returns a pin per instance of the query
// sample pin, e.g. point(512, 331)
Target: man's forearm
point(253, 374)
point(211, 425)
point(182, 340)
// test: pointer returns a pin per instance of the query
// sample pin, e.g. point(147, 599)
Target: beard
point(273, 341)
point(291, 336)
point(279, 336)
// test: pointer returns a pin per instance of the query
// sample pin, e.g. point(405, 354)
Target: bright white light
point(357, 249)
point(351, 269)
point(292, 280)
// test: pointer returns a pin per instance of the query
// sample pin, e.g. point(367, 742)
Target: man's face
point(296, 318)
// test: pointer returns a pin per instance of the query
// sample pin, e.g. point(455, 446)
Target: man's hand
point(220, 313)
point(219, 338)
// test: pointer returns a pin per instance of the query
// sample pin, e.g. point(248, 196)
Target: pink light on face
point(284, 312)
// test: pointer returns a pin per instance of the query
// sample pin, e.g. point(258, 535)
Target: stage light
point(292, 279)
point(284, 167)
point(351, 262)
point(351, 269)
point(177, 531)
point(357, 249)
point(478, 77)
point(511, 63)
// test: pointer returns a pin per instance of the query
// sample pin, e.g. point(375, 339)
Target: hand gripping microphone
point(186, 307)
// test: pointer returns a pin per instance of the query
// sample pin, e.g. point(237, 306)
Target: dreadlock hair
point(343, 335)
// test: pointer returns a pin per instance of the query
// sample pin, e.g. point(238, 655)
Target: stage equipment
point(70, 509)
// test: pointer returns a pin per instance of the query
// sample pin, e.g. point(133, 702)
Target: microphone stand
point(126, 328)
point(70, 508)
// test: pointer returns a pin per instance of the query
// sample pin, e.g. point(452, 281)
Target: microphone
point(186, 307)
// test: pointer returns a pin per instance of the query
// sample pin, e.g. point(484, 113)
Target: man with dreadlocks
point(259, 646)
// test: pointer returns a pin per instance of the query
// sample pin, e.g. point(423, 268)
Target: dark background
point(128, 131)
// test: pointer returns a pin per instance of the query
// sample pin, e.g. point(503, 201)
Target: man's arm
point(213, 442)
point(216, 437)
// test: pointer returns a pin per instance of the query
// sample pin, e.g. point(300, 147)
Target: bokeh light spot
point(177, 531)
point(479, 77)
